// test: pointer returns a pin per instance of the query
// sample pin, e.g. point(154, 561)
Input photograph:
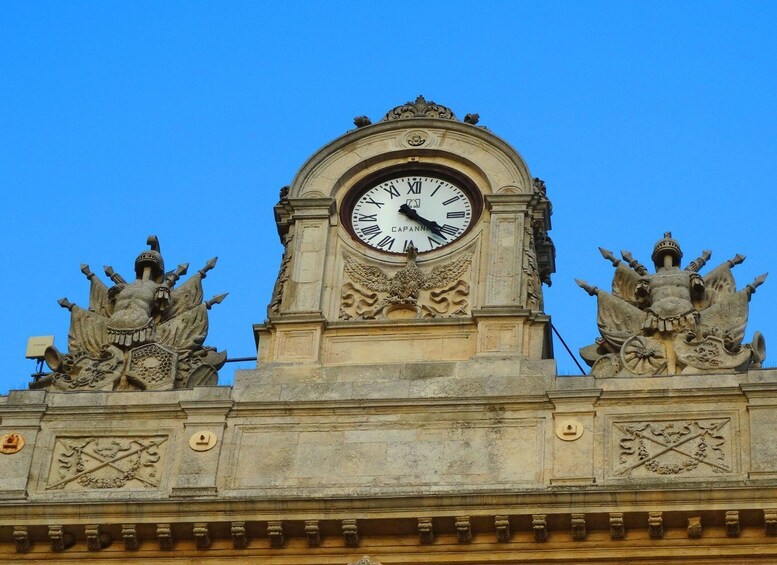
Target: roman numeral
point(436, 189)
point(373, 217)
point(408, 243)
point(387, 241)
point(371, 231)
point(450, 230)
point(433, 242)
point(451, 200)
point(415, 187)
point(393, 192)
point(373, 201)
point(455, 215)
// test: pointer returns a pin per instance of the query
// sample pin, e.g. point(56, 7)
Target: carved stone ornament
point(416, 138)
point(419, 109)
point(372, 294)
point(112, 462)
point(139, 335)
point(672, 321)
point(365, 560)
point(680, 447)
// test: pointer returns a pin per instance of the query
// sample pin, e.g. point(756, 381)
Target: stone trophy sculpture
point(673, 321)
point(139, 335)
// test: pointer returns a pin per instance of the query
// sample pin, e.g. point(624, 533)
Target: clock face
point(423, 210)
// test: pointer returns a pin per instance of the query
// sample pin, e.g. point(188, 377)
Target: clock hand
point(434, 227)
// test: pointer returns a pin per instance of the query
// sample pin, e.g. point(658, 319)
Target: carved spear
point(208, 266)
point(216, 300)
point(591, 290)
point(87, 272)
point(634, 264)
point(113, 275)
point(699, 262)
point(759, 280)
point(173, 277)
point(607, 254)
point(737, 260)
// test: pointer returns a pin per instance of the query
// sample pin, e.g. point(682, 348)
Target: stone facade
point(446, 469)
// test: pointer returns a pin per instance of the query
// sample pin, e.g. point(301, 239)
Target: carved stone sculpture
point(373, 294)
point(138, 335)
point(672, 321)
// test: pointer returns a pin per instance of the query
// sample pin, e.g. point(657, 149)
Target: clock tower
point(420, 239)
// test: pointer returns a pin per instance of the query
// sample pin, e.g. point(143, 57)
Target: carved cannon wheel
point(643, 355)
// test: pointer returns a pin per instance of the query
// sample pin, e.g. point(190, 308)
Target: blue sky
point(118, 120)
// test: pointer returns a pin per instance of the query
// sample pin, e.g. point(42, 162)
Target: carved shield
point(152, 366)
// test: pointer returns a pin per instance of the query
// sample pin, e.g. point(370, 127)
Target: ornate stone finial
point(472, 119)
point(145, 334)
point(672, 321)
point(419, 109)
point(361, 121)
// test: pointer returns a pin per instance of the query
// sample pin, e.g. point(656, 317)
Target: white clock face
point(425, 211)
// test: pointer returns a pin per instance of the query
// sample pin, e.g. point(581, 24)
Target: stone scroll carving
point(672, 321)
point(112, 462)
point(673, 448)
point(138, 335)
point(419, 109)
point(372, 294)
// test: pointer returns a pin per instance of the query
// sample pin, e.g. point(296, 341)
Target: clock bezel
point(443, 173)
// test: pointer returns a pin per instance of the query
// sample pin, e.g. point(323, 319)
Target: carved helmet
point(151, 258)
point(666, 246)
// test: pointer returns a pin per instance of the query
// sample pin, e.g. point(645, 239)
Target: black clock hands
point(434, 227)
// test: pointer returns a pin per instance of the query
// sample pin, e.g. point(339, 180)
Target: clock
point(425, 210)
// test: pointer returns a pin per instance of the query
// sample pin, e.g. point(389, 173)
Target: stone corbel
point(425, 530)
point(164, 535)
point(579, 532)
point(95, 539)
point(656, 525)
point(313, 532)
point(129, 534)
point(617, 529)
point(539, 524)
point(463, 529)
point(60, 539)
point(732, 523)
point(502, 525)
point(238, 532)
point(694, 527)
point(21, 538)
point(350, 533)
point(201, 535)
point(770, 522)
point(275, 533)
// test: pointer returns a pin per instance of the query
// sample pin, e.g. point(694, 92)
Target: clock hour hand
point(434, 227)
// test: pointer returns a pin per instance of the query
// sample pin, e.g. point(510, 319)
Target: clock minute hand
point(434, 227)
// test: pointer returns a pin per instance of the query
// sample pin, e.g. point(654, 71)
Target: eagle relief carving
point(372, 294)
